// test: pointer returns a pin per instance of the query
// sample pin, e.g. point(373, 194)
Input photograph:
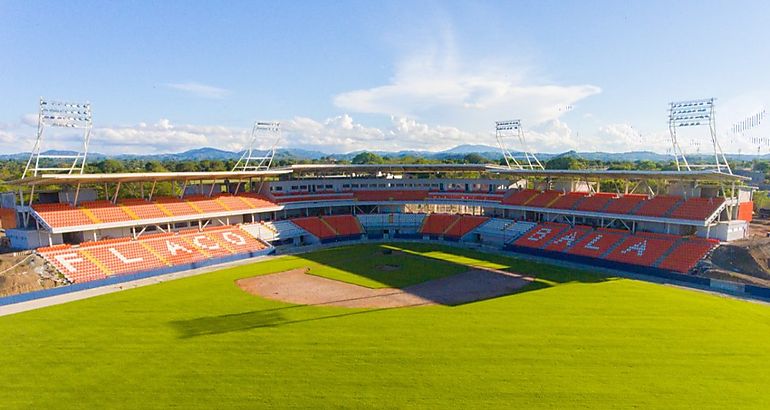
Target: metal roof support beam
point(184, 186)
point(77, 193)
point(117, 190)
point(152, 190)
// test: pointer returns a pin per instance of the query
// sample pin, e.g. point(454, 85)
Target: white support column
point(117, 190)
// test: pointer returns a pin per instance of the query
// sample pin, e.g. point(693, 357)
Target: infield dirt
point(298, 287)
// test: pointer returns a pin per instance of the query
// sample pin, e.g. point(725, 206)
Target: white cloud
point(6, 137)
point(200, 90)
point(434, 87)
point(29, 119)
point(341, 134)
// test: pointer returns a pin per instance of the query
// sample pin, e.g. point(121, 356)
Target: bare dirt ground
point(23, 272)
point(296, 286)
point(759, 228)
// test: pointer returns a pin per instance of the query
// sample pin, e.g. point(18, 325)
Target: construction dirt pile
point(746, 261)
point(22, 272)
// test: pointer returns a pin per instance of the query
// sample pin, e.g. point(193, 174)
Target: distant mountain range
point(488, 152)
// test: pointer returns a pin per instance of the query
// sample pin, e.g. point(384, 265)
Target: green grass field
point(571, 339)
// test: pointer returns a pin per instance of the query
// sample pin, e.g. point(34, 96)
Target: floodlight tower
point(60, 114)
point(512, 129)
point(695, 113)
point(251, 161)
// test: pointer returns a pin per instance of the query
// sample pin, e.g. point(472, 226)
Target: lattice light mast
point(254, 159)
point(60, 114)
point(695, 113)
point(512, 129)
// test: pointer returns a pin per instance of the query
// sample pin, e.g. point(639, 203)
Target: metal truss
point(505, 130)
point(254, 159)
point(695, 113)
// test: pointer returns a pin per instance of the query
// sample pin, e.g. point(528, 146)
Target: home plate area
point(298, 287)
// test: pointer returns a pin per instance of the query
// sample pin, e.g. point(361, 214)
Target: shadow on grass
point(360, 260)
point(433, 256)
point(239, 322)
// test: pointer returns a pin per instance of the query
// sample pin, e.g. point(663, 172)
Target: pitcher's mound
point(296, 286)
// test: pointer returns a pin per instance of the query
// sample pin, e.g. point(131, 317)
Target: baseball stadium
point(381, 285)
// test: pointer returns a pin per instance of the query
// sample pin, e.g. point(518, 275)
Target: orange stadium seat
point(520, 197)
point(569, 200)
point(597, 243)
point(204, 204)
point(540, 235)
point(595, 203)
point(315, 197)
point(697, 208)
point(254, 200)
point(73, 264)
point(315, 226)
point(142, 209)
point(345, 225)
point(175, 249)
point(463, 226)
point(106, 211)
point(658, 206)
point(231, 240)
point(641, 250)
point(125, 257)
point(175, 206)
point(410, 195)
point(436, 224)
point(568, 238)
point(687, 254)
point(624, 204)
point(62, 215)
point(99, 259)
point(544, 199)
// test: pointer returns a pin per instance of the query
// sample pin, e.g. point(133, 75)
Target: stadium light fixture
point(57, 114)
point(695, 113)
point(60, 114)
point(254, 159)
point(505, 130)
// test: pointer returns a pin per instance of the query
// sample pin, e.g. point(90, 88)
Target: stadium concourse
point(90, 234)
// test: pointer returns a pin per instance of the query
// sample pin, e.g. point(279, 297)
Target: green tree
point(474, 158)
point(113, 166)
point(566, 162)
point(367, 158)
point(154, 166)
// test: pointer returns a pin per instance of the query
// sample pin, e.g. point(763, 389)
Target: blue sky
point(341, 76)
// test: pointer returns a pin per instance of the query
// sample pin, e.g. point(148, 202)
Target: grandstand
point(89, 228)
point(612, 247)
point(101, 259)
point(90, 235)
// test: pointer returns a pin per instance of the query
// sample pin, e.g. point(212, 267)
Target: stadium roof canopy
point(344, 169)
point(386, 168)
point(699, 175)
point(73, 179)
